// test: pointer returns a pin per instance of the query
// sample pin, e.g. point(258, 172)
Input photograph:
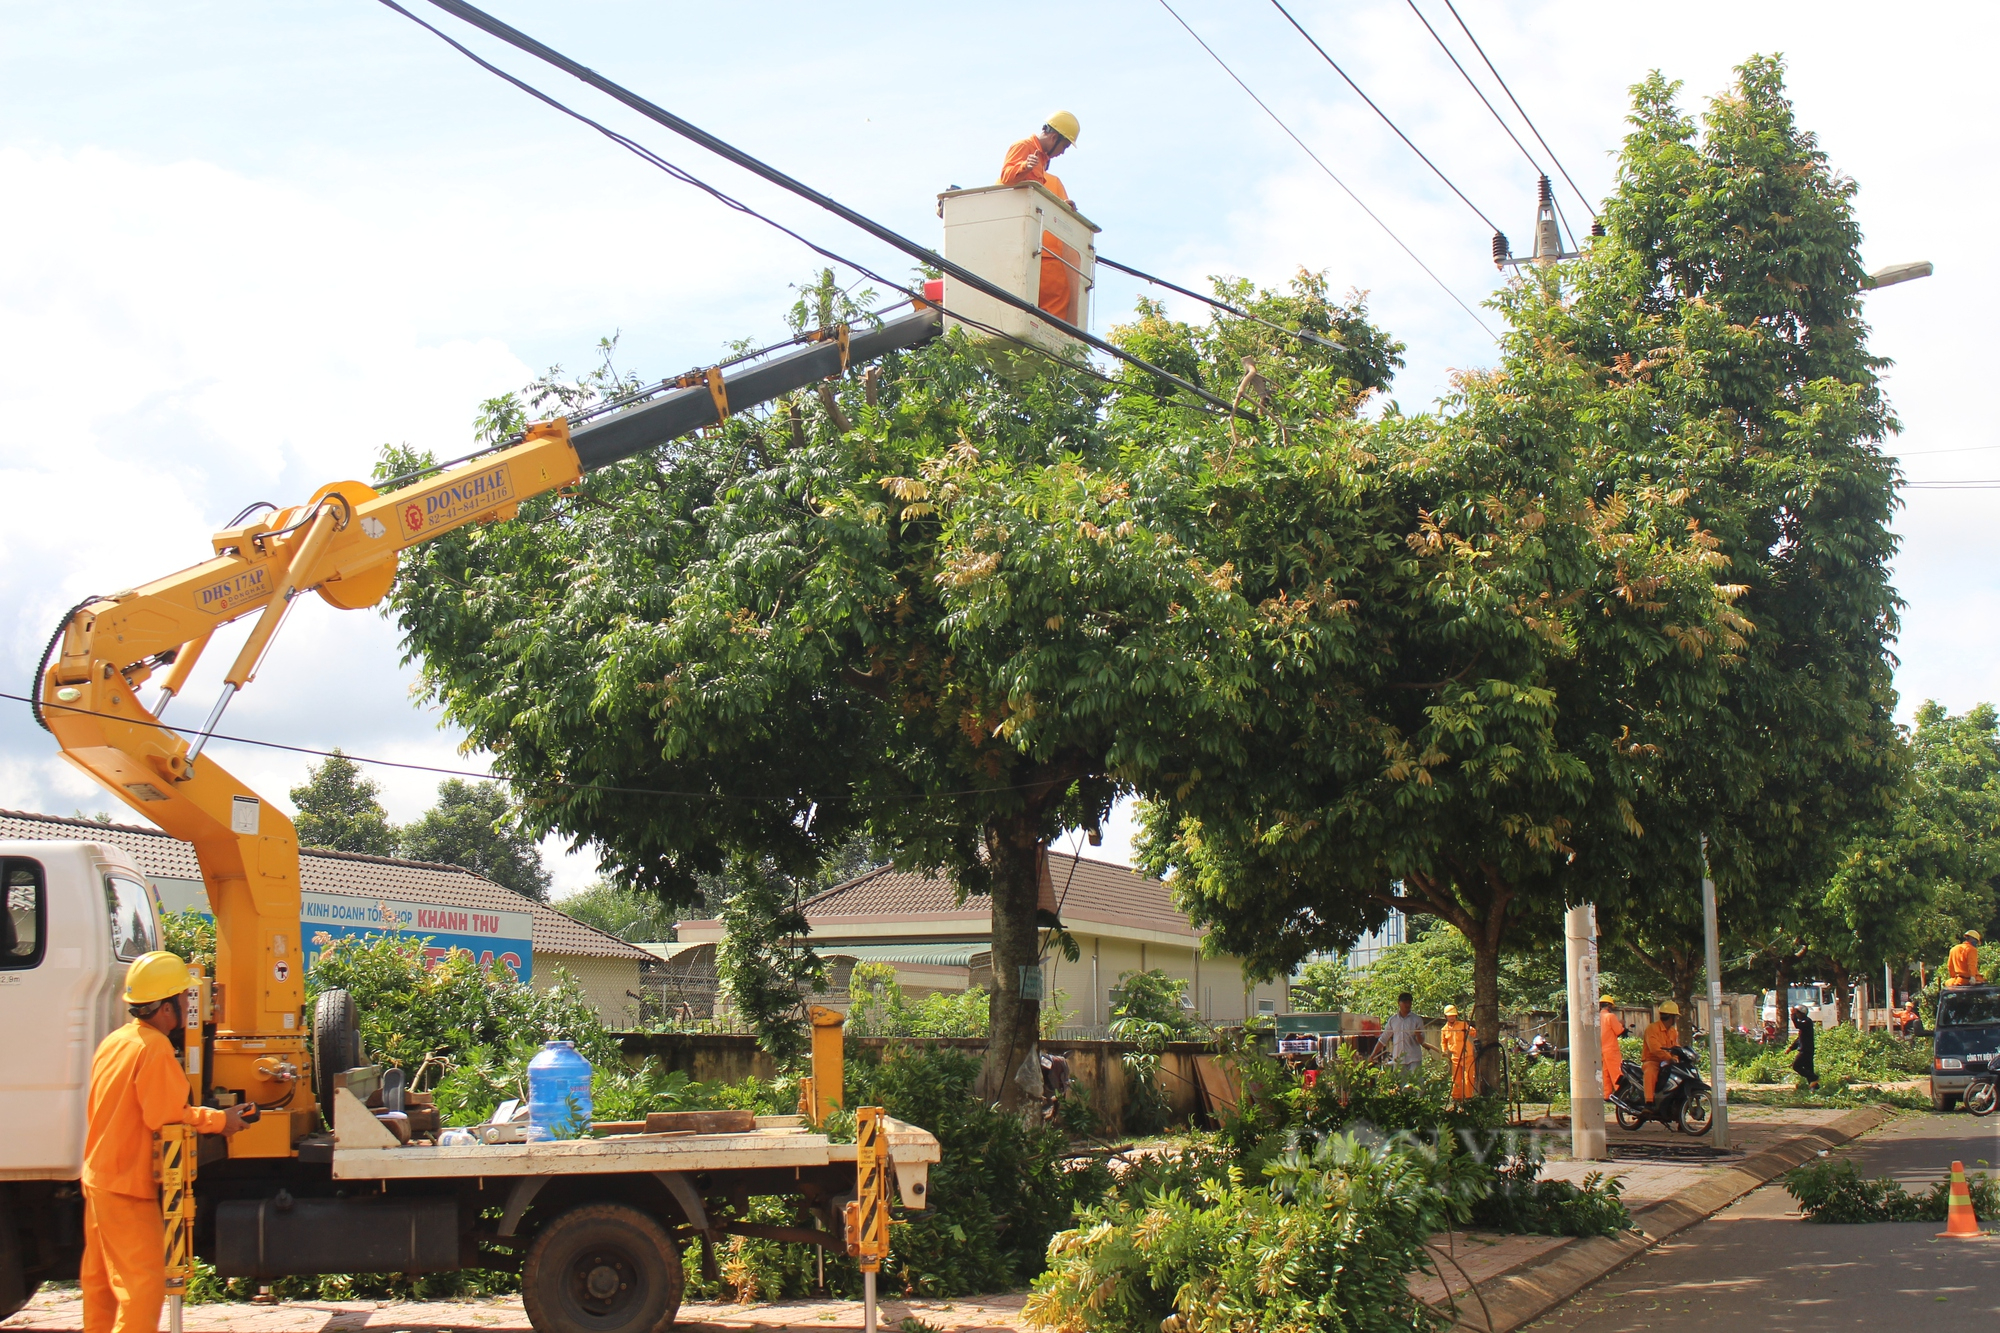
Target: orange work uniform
point(1456, 1043)
point(1660, 1037)
point(1609, 1029)
point(1961, 965)
point(1026, 163)
point(137, 1086)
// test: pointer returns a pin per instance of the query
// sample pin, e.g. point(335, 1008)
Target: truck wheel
point(336, 1045)
point(602, 1268)
point(1944, 1102)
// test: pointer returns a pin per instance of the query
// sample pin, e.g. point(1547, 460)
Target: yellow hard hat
point(155, 976)
point(1670, 1008)
point(1606, 999)
point(1063, 123)
point(1973, 935)
point(1451, 1011)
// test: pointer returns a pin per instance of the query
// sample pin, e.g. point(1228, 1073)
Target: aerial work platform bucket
point(1003, 233)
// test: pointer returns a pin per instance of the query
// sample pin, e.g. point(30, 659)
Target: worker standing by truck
point(137, 1086)
point(1027, 162)
point(1961, 965)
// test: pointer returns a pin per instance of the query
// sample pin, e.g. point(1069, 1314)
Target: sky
point(246, 245)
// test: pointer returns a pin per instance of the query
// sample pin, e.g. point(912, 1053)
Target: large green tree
point(1660, 605)
point(476, 826)
point(337, 808)
point(955, 603)
point(1725, 299)
point(1911, 880)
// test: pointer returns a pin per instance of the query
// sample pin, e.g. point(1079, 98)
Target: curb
point(1515, 1297)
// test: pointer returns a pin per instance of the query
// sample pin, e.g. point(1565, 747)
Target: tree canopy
point(475, 825)
point(338, 809)
point(953, 603)
point(1654, 600)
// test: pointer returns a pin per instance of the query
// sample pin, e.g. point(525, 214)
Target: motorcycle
point(1683, 1103)
point(1982, 1094)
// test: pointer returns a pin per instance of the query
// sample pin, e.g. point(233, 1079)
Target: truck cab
point(1817, 998)
point(1966, 1043)
point(77, 913)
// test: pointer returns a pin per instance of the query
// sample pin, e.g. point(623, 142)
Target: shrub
point(1519, 1201)
point(1329, 1243)
point(1832, 1190)
point(879, 1008)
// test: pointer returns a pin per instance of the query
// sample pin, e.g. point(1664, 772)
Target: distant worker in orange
point(1961, 966)
point(1661, 1037)
point(1609, 1029)
point(1455, 1040)
point(1028, 162)
point(137, 1086)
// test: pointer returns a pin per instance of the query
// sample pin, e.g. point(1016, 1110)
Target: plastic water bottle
point(558, 1093)
point(458, 1138)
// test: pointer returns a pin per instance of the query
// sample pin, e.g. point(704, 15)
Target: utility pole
point(1586, 1080)
point(1717, 1050)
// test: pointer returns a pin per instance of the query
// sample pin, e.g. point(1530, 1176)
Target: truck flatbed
point(364, 1150)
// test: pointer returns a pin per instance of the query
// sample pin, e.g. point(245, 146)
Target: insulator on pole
point(1547, 198)
point(1500, 249)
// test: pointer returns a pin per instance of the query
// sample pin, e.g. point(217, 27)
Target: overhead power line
point(1348, 190)
point(1435, 168)
point(1224, 306)
point(1530, 120)
point(491, 777)
point(514, 37)
point(651, 158)
point(1499, 119)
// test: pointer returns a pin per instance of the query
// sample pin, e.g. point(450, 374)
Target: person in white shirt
point(1403, 1036)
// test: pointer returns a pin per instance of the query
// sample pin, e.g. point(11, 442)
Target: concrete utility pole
point(1717, 1049)
point(1586, 1079)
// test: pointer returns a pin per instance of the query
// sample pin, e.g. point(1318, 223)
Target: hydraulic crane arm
point(342, 543)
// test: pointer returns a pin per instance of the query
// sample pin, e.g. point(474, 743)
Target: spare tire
point(336, 1045)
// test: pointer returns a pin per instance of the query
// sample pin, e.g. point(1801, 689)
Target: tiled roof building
point(1121, 919)
point(605, 965)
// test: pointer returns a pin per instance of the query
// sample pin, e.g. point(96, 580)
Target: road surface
point(1758, 1265)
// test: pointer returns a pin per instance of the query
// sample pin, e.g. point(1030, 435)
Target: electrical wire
point(1530, 120)
point(484, 777)
point(486, 23)
point(1500, 120)
point(1330, 175)
point(651, 158)
point(1437, 170)
point(1306, 334)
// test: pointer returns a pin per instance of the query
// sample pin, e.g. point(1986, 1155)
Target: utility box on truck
point(1003, 233)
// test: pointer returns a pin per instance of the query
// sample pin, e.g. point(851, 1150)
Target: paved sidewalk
point(1671, 1182)
point(62, 1312)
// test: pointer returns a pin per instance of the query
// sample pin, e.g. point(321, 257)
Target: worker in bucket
point(1027, 162)
point(1961, 965)
point(1662, 1035)
point(137, 1086)
point(1610, 1028)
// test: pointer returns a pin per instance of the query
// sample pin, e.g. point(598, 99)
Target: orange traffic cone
point(1959, 1221)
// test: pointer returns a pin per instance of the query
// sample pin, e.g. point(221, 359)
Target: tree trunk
point(1014, 847)
point(1687, 967)
point(1486, 1007)
point(1843, 1009)
point(1783, 984)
